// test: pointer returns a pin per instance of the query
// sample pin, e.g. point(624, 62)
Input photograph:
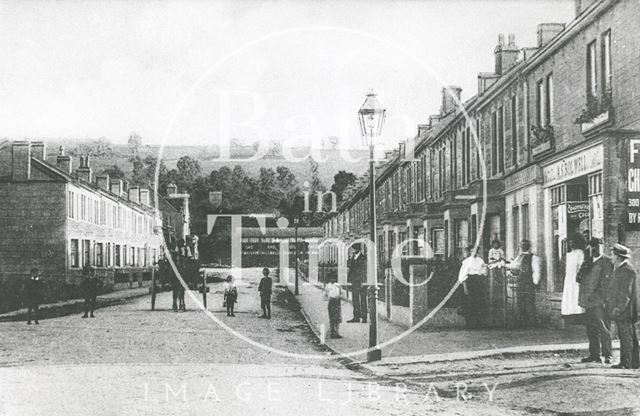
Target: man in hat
point(592, 297)
point(623, 302)
point(357, 275)
point(32, 292)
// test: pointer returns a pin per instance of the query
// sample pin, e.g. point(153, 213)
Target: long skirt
point(335, 310)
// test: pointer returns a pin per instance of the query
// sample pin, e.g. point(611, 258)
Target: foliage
point(541, 135)
point(594, 107)
point(341, 181)
point(114, 172)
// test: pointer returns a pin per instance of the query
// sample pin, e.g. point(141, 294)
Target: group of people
point(603, 289)
point(33, 293)
point(473, 274)
point(265, 288)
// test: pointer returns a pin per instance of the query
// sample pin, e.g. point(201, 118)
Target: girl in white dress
point(574, 259)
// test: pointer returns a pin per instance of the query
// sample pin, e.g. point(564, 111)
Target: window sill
point(597, 121)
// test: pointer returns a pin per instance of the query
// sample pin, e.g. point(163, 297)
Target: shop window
point(74, 260)
point(596, 207)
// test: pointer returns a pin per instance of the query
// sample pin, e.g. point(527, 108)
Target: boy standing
point(264, 288)
point(332, 293)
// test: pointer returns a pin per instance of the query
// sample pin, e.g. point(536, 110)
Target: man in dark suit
point(594, 286)
point(32, 292)
point(265, 288)
point(357, 275)
point(623, 301)
point(90, 287)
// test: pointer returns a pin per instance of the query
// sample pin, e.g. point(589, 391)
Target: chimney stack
point(450, 99)
point(125, 188)
point(134, 194)
point(548, 31)
point(144, 197)
point(115, 186)
point(506, 55)
point(84, 170)
point(63, 162)
point(103, 182)
point(21, 161)
point(582, 5)
point(172, 189)
point(38, 150)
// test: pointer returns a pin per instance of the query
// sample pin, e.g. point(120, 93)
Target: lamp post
point(372, 115)
point(296, 222)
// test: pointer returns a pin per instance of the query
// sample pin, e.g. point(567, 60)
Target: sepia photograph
point(319, 207)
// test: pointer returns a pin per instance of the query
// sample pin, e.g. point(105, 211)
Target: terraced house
point(546, 148)
point(62, 220)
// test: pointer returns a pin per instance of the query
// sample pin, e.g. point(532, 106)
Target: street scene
point(359, 208)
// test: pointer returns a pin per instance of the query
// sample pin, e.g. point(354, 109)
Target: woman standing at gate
point(473, 277)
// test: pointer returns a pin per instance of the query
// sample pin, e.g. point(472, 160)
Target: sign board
point(577, 211)
point(574, 166)
point(633, 184)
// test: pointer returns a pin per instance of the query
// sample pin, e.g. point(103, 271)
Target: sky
point(198, 73)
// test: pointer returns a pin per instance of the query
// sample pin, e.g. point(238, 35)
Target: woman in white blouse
point(473, 276)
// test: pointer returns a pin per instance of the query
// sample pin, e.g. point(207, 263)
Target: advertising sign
point(633, 184)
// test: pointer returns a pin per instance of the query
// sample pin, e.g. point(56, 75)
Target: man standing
point(527, 267)
point(592, 296)
point(90, 288)
point(357, 275)
point(32, 292)
point(623, 302)
point(264, 288)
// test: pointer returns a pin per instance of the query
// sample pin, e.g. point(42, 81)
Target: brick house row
point(60, 221)
point(550, 129)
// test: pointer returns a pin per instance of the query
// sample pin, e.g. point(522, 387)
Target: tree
point(114, 172)
point(188, 170)
point(341, 181)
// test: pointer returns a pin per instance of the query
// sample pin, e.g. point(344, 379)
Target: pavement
point(401, 346)
point(71, 306)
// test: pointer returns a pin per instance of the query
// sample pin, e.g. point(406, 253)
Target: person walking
point(90, 287)
point(32, 292)
point(265, 287)
point(624, 307)
point(332, 293)
point(230, 295)
point(472, 276)
point(357, 275)
point(594, 286)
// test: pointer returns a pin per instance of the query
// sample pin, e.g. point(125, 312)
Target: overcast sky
point(296, 71)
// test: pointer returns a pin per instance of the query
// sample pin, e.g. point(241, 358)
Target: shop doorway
point(576, 210)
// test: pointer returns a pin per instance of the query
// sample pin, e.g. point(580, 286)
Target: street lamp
point(372, 115)
point(296, 222)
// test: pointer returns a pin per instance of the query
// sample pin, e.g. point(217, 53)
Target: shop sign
point(577, 211)
point(574, 166)
point(633, 183)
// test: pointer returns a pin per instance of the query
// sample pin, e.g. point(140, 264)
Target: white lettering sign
point(574, 166)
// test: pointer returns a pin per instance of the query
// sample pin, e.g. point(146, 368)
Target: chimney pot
point(21, 161)
point(115, 186)
point(103, 182)
point(38, 150)
point(134, 194)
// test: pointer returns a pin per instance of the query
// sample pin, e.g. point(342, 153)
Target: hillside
point(104, 155)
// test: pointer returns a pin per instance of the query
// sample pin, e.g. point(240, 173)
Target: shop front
point(574, 207)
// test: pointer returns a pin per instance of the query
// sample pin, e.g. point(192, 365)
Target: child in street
point(332, 293)
point(230, 295)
